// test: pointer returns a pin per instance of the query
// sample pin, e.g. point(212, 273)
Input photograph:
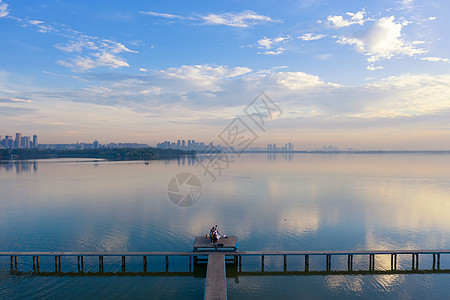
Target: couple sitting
point(214, 235)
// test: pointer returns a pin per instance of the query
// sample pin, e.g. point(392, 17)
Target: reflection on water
point(269, 201)
point(19, 166)
point(285, 156)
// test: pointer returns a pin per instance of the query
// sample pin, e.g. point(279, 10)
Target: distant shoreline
point(355, 152)
point(122, 154)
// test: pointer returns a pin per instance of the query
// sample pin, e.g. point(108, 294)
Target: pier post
point(415, 261)
point(350, 262)
point(123, 264)
point(328, 262)
point(12, 262)
point(37, 263)
point(306, 263)
point(57, 263)
point(15, 262)
point(101, 265)
point(438, 260)
point(145, 264)
point(190, 263)
point(285, 263)
point(167, 263)
point(371, 262)
point(393, 261)
point(262, 263)
point(34, 262)
point(80, 263)
point(240, 263)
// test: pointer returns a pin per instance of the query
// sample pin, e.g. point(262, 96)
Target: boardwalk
point(216, 257)
point(216, 286)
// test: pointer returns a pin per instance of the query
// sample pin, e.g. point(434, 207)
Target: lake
point(270, 202)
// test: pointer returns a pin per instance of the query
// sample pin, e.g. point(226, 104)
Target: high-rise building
point(9, 142)
point(95, 143)
point(17, 142)
point(25, 142)
point(35, 141)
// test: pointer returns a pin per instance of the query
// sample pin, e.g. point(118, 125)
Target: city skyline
point(360, 74)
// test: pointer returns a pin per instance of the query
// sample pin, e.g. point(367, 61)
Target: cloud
point(97, 53)
point(311, 37)
point(3, 9)
point(371, 67)
point(242, 19)
point(383, 40)
point(13, 100)
point(203, 77)
point(407, 4)
point(347, 20)
point(435, 59)
point(277, 51)
point(270, 43)
point(162, 15)
point(104, 59)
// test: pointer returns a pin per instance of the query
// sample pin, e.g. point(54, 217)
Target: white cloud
point(407, 4)
point(371, 67)
point(296, 80)
point(35, 22)
point(97, 53)
point(267, 43)
point(270, 43)
point(82, 63)
point(203, 77)
point(3, 9)
point(243, 19)
point(435, 59)
point(311, 36)
point(143, 70)
point(383, 40)
point(162, 15)
point(347, 20)
point(277, 51)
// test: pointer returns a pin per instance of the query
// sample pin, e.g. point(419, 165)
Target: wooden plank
point(216, 286)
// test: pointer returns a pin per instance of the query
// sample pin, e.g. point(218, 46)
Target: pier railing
point(236, 257)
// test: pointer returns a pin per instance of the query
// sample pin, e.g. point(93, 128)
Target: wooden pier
point(218, 257)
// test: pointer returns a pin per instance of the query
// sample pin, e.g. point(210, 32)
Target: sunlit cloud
point(383, 40)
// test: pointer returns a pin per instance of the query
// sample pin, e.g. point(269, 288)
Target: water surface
point(281, 202)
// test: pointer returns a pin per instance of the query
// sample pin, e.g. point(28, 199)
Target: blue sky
point(361, 74)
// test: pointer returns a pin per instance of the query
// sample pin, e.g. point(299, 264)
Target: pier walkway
point(216, 283)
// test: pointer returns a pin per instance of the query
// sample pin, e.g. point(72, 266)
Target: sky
point(355, 74)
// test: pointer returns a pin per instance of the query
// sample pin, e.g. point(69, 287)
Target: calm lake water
point(282, 202)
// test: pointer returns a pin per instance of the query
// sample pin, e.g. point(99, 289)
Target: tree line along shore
point(108, 154)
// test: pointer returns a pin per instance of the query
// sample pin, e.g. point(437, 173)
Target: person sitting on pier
point(211, 234)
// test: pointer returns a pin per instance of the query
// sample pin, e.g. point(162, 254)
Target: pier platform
point(202, 243)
